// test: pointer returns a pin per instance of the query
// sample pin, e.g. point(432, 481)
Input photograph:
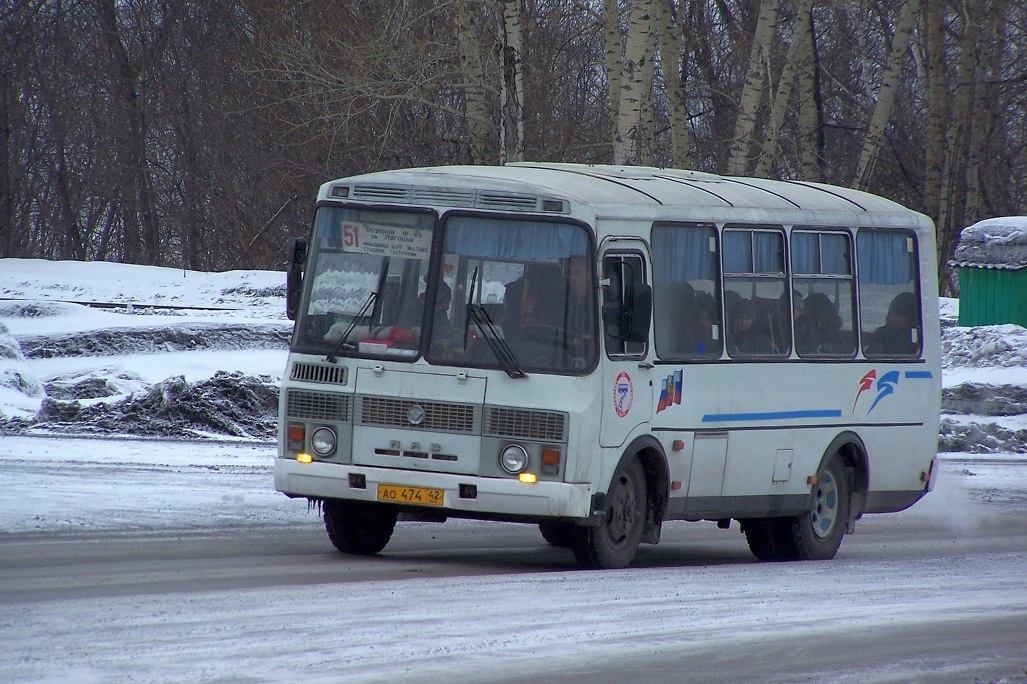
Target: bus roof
point(610, 191)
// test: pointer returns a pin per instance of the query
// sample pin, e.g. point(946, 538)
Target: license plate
point(422, 496)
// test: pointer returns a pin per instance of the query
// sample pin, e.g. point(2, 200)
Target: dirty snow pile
point(117, 349)
point(102, 348)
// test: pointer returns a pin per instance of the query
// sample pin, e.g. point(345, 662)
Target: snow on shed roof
point(993, 243)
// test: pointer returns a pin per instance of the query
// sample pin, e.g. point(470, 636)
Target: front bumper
point(495, 496)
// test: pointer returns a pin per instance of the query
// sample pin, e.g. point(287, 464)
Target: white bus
point(598, 350)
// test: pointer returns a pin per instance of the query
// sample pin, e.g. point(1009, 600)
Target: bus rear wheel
point(615, 541)
point(358, 527)
point(814, 535)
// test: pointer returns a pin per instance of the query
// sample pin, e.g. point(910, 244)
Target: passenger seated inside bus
point(896, 335)
point(744, 337)
point(819, 329)
point(707, 342)
point(675, 318)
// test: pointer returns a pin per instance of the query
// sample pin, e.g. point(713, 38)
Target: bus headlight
point(514, 459)
point(323, 441)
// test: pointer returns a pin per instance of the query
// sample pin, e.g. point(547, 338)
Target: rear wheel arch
point(850, 448)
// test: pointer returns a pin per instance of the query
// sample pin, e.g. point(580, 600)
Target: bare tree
point(512, 98)
point(754, 92)
point(142, 234)
point(937, 97)
point(950, 219)
point(193, 134)
point(810, 137)
point(886, 95)
point(481, 127)
point(632, 141)
point(670, 50)
point(798, 49)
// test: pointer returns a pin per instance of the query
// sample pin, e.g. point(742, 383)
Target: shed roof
point(993, 243)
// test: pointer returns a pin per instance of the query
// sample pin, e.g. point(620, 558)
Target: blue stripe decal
point(775, 415)
point(919, 375)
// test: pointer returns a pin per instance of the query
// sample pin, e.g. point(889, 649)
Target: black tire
point(557, 534)
point(816, 535)
point(615, 541)
point(358, 527)
point(762, 536)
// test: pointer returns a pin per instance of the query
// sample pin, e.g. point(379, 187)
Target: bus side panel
point(775, 421)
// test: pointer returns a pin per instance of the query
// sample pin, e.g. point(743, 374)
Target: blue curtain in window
point(768, 250)
point(820, 254)
point(513, 239)
point(805, 254)
point(884, 258)
point(737, 251)
point(683, 253)
point(834, 250)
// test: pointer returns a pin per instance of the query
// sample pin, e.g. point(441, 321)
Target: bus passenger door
point(626, 363)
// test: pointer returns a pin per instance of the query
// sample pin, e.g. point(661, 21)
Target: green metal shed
point(992, 261)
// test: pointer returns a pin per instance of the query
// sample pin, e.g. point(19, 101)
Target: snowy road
point(168, 561)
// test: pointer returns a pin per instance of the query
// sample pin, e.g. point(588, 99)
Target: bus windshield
point(366, 282)
point(523, 296)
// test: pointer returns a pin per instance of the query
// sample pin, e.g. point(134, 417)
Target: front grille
point(547, 426)
point(317, 406)
point(314, 372)
point(438, 416)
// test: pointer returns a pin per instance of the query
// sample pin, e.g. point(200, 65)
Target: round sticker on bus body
point(623, 394)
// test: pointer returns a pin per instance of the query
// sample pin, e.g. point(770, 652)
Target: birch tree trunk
point(468, 44)
point(612, 39)
point(811, 129)
point(511, 133)
point(886, 95)
point(669, 41)
point(937, 98)
point(754, 89)
point(647, 66)
point(772, 134)
point(631, 138)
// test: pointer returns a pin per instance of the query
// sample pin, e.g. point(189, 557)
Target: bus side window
point(686, 291)
point(889, 307)
point(823, 293)
point(754, 284)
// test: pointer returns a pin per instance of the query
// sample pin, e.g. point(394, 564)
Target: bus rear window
point(889, 311)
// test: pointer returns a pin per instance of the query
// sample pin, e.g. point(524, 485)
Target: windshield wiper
point(498, 345)
point(333, 354)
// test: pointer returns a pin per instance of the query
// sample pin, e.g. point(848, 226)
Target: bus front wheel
point(556, 534)
point(358, 527)
point(615, 541)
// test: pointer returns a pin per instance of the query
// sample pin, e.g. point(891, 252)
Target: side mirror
point(638, 313)
point(294, 276)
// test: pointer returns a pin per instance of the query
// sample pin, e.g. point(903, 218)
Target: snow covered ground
point(85, 392)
